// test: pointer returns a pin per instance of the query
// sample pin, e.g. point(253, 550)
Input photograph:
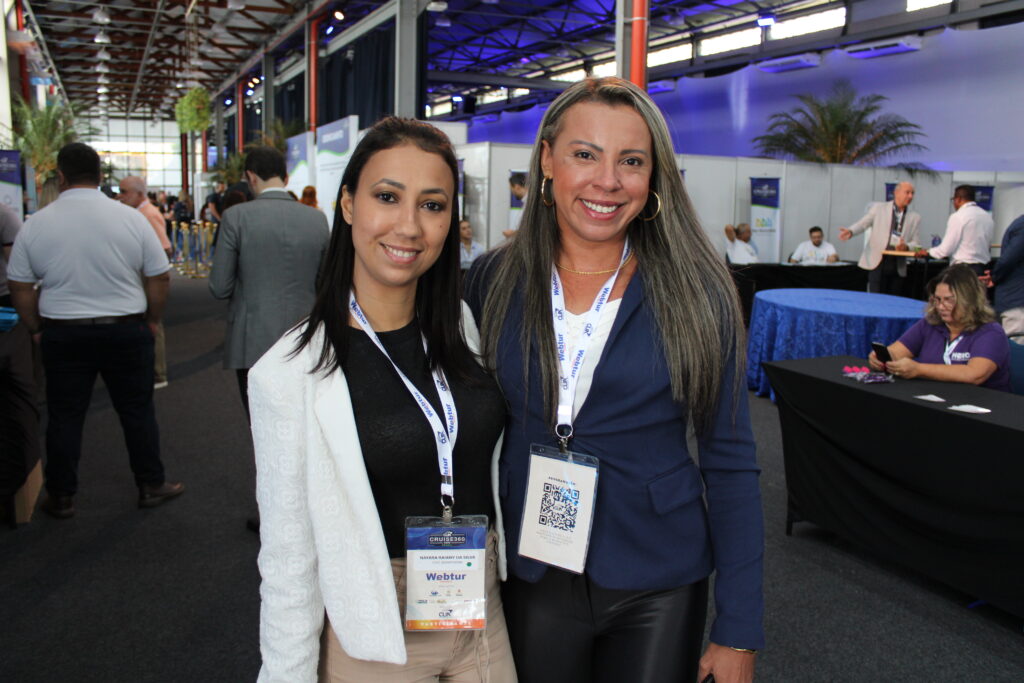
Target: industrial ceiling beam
point(468, 78)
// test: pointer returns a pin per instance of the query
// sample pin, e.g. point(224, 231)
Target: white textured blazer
point(879, 219)
point(323, 546)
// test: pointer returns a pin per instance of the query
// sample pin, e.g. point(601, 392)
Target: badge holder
point(559, 509)
point(446, 573)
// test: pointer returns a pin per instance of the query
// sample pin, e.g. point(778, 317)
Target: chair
point(1017, 368)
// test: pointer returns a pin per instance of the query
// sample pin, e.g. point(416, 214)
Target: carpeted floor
point(171, 594)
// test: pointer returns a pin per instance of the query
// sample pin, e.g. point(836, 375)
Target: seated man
point(958, 339)
point(739, 250)
point(814, 251)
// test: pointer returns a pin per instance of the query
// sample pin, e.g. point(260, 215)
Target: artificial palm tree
point(840, 128)
point(229, 170)
point(39, 133)
point(279, 133)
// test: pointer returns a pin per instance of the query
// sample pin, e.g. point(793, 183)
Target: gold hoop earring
point(655, 215)
point(544, 195)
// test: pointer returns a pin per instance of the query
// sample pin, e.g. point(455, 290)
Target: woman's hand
point(876, 365)
point(907, 368)
point(728, 665)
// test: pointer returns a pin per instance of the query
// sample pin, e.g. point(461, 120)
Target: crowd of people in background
point(356, 360)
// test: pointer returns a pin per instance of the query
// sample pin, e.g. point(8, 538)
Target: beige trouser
point(1012, 321)
point(159, 355)
point(447, 656)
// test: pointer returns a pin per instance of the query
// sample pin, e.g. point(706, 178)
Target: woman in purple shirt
point(958, 339)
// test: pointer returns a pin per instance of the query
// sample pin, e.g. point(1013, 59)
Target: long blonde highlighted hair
point(686, 282)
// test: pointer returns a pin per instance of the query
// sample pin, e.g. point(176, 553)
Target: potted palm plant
point(840, 128)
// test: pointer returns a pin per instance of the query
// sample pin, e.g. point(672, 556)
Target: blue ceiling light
point(249, 92)
point(456, 98)
point(765, 19)
point(227, 102)
point(330, 30)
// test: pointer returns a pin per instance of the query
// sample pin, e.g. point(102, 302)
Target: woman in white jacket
point(344, 438)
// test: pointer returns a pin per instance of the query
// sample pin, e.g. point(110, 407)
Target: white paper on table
point(931, 397)
point(968, 408)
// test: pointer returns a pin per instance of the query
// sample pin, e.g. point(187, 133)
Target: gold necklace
point(594, 272)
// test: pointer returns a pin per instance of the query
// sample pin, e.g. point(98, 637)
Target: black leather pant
point(567, 629)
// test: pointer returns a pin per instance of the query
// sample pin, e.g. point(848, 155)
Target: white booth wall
point(827, 195)
point(831, 196)
point(486, 166)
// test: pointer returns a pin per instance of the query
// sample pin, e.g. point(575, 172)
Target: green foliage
point(229, 170)
point(39, 133)
point(840, 128)
point(279, 134)
point(193, 111)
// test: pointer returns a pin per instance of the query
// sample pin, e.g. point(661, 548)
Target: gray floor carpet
point(171, 594)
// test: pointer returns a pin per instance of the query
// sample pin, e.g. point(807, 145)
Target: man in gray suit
point(268, 253)
point(893, 226)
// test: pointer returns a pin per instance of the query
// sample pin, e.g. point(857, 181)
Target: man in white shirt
point(517, 187)
point(103, 280)
point(814, 251)
point(739, 250)
point(968, 233)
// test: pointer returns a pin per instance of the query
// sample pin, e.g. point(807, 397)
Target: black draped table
point(925, 486)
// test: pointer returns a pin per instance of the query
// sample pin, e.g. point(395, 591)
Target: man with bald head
point(893, 227)
point(132, 192)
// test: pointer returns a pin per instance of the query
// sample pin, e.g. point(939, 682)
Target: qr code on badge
point(558, 507)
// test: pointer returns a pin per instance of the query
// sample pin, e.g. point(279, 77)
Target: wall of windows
point(151, 149)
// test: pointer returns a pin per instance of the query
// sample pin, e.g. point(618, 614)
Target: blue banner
point(10, 181)
point(296, 152)
point(764, 218)
point(334, 143)
point(983, 196)
point(334, 137)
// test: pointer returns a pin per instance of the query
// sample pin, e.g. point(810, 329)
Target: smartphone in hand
point(881, 352)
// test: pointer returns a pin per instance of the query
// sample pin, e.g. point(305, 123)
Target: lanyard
point(569, 367)
point(947, 355)
point(897, 218)
point(444, 435)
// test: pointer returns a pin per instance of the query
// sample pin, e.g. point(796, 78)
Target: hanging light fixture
point(103, 97)
point(100, 16)
point(102, 68)
point(101, 38)
point(102, 89)
point(103, 78)
point(236, 4)
point(103, 55)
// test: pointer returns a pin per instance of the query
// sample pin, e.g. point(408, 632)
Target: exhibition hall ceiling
point(134, 57)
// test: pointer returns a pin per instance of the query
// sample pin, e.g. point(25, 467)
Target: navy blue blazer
point(652, 528)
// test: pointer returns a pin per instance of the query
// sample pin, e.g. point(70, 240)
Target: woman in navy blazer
point(608, 214)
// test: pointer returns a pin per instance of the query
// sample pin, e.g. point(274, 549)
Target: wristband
point(743, 649)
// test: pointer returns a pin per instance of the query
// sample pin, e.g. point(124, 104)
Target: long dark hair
point(438, 298)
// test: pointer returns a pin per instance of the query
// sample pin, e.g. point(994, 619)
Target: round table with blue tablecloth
point(786, 324)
